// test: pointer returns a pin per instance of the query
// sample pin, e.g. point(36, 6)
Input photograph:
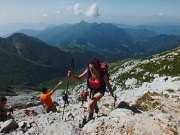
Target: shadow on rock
point(55, 103)
point(126, 106)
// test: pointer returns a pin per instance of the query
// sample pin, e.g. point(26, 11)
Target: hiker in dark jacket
point(95, 82)
point(4, 115)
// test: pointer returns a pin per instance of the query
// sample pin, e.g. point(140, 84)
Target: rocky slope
point(144, 108)
point(160, 114)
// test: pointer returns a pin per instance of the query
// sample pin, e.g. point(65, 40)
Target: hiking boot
point(90, 117)
point(96, 110)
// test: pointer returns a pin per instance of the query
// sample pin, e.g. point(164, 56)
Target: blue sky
point(73, 11)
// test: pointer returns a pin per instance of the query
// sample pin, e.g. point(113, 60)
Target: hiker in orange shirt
point(46, 100)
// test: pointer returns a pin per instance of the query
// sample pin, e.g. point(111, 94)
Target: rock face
point(8, 125)
point(152, 109)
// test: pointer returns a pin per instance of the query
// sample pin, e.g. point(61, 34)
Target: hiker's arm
point(43, 104)
point(56, 87)
point(108, 85)
point(3, 112)
point(77, 77)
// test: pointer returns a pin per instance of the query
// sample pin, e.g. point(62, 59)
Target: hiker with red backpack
point(97, 80)
point(83, 96)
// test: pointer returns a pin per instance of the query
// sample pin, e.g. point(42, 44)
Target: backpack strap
point(88, 84)
point(102, 87)
point(103, 84)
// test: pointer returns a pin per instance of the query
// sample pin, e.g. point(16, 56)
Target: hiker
point(83, 96)
point(4, 115)
point(94, 67)
point(65, 98)
point(11, 110)
point(46, 100)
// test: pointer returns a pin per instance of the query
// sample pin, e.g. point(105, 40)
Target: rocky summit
point(151, 109)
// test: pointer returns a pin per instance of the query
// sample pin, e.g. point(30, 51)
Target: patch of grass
point(85, 108)
point(114, 67)
point(114, 88)
point(170, 90)
point(155, 104)
point(145, 97)
point(166, 95)
point(164, 64)
point(150, 115)
point(144, 103)
point(155, 94)
point(163, 111)
point(175, 97)
point(107, 105)
point(19, 106)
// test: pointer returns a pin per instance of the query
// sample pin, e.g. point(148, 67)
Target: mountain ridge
point(102, 36)
point(33, 50)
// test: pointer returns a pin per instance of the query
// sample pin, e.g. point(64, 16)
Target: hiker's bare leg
point(93, 103)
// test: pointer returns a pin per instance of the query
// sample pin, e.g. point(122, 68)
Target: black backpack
point(104, 70)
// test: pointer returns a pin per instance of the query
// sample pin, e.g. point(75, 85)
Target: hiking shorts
point(99, 94)
point(51, 108)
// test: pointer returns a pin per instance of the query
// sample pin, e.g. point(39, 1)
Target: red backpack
point(104, 67)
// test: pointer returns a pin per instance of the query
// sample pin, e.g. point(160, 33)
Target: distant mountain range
point(46, 54)
point(106, 37)
point(29, 61)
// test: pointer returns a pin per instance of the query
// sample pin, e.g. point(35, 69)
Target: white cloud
point(92, 11)
point(160, 14)
point(78, 10)
point(57, 12)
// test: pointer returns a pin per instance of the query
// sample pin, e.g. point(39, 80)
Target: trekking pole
point(63, 110)
point(70, 69)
